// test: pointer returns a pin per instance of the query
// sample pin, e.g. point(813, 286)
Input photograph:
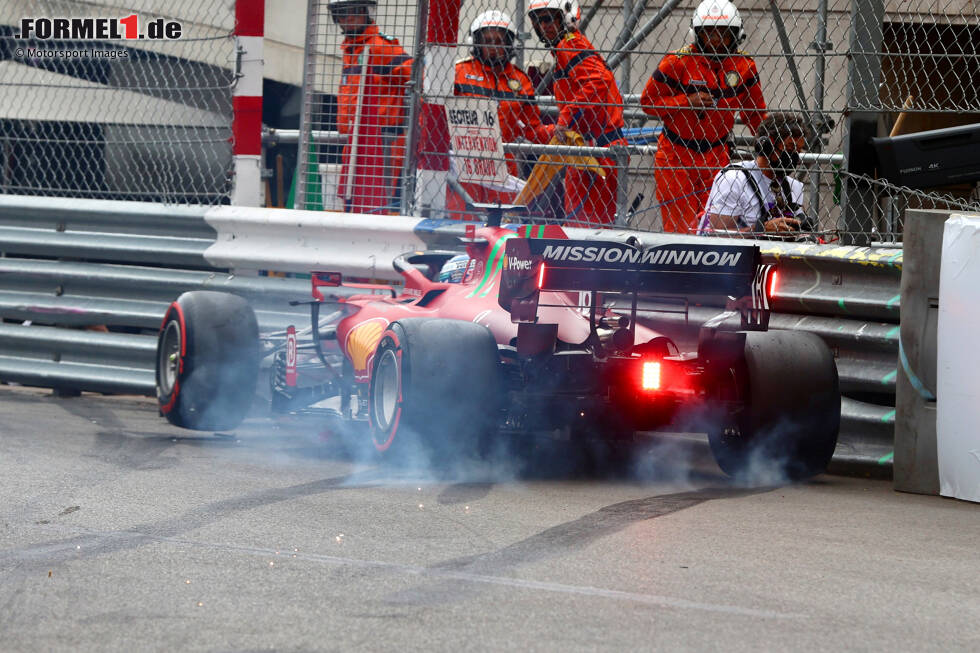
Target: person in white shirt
point(760, 195)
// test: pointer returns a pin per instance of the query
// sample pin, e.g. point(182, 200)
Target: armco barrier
point(71, 267)
point(77, 359)
point(300, 241)
point(119, 264)
point(75, 298)
point(849, 296)
point(98, 230)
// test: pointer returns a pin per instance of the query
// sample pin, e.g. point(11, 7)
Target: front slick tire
point(787, 428)
point(435, 390)
point(207, 361)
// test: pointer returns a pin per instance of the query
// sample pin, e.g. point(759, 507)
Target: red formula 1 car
point(527, 341)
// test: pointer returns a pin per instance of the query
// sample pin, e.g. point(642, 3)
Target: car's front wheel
point(208, 356)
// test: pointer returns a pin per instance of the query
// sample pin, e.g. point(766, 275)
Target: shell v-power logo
point(130, 28)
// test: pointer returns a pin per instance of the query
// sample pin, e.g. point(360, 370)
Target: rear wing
point(680, 269)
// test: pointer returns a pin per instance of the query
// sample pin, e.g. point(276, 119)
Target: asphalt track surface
point(119, 532)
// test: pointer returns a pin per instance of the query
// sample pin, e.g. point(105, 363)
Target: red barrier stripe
point(443, 22)
point(249, 17)
point(442, 27)
point(246, 127)
point(434, 139)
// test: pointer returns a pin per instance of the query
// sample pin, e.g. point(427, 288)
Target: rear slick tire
point(787, 427)
point(208, 357)
point(435, 389)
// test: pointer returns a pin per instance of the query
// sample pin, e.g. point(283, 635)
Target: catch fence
point(853, 69)
point(152, 120)
point(147, 119)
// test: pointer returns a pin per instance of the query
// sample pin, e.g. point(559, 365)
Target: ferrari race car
point(539, 334)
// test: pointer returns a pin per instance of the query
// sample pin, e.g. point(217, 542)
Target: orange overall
point(589, 103)
point(376, 68)
point(692, 146)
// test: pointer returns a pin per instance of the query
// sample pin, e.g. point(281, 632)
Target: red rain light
point(650, 379)
point(771, 289)
point(541, 276)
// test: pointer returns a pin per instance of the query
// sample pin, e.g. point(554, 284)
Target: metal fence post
point(414, 99)
point(519, 43)
point(820, 45)
point(863, 75)
point(622, 155)
point(306, 115)
point(625, 71)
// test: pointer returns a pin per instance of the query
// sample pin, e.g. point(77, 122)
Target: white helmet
point(717, 13)
point(493, 18)
point(569, 9)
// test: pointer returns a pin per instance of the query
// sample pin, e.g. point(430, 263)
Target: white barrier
point(958, 384)
point(299, 241)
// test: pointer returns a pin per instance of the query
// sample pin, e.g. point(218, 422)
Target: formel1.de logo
point(99, 29)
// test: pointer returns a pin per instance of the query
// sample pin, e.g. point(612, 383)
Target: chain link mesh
point(146, 120)
point(929, 61)
point(913, 67)
point(354, 110)
point(155, 124)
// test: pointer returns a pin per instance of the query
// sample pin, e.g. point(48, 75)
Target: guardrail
point(849, 296)
point(127, 232)
point(300, 241)
point(63, 307)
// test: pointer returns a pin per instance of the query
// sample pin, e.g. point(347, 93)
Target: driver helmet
point(454, 269)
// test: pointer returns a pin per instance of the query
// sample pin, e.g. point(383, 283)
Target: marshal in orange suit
point(696, 91)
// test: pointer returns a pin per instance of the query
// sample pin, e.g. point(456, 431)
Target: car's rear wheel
point(207, 361)
point(435, 386)
point(789, 395)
